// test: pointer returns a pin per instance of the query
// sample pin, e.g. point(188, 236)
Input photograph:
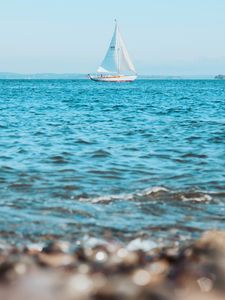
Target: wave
point(155, 193)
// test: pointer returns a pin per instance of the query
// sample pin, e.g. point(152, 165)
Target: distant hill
point(220, 77)
point(42, 76)
point(176, 77)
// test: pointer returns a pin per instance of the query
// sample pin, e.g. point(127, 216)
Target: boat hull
point(113, 78)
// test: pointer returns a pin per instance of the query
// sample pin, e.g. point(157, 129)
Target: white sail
point(117, 59)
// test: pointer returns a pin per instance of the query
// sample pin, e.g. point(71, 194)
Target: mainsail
point(117, 59)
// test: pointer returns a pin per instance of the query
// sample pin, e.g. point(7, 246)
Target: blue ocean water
point(130, 159)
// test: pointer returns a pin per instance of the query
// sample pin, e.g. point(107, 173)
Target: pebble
point(111, 271)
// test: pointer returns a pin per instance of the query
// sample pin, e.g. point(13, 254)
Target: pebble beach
point(57, 271)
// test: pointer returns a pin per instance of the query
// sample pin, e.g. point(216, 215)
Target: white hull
point(122, 78)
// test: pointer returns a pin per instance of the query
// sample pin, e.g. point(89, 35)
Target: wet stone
point(56, 247)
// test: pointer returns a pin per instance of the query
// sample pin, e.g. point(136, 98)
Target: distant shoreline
point(75, 76)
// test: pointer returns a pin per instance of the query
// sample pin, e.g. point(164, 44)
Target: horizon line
point(82, 73)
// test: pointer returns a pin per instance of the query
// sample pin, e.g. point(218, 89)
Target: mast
point(117, 50)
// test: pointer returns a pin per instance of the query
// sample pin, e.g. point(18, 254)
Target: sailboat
point(117, 65)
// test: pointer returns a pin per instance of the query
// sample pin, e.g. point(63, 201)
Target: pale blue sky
point(163, 36)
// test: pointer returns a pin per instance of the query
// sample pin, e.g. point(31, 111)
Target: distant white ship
point(117, 65)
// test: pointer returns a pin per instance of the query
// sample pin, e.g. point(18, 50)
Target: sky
point(164, 37)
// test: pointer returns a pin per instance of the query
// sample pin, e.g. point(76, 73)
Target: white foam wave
point(123, 196)
point(155, 191)
point(108, 198)
point(199, 198)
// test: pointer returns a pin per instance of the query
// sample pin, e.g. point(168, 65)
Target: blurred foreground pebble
point(60, 271)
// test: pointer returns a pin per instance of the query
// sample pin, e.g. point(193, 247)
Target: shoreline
point(58, 271)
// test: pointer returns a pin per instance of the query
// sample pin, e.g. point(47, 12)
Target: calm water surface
point(139, 159)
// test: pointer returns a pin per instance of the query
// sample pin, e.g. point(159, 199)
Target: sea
point(81, 160)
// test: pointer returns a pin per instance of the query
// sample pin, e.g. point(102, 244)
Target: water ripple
point(78, 157)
